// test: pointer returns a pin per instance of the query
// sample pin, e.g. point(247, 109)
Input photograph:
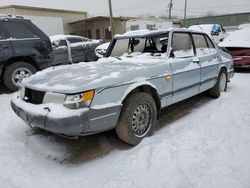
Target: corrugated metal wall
point(67, 17)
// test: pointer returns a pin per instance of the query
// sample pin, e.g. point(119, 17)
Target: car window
point(201, 45)
point(86, 39)
point(182, 45)
point(128, 46)
point(62, 43)
point(19, 30)
point(210, 45)
point(74, 40)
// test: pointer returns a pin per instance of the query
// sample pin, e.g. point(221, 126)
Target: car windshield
point(139, 45)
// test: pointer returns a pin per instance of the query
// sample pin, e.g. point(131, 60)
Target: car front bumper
point(57, 119)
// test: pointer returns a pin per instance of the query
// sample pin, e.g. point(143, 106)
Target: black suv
point(24, 49)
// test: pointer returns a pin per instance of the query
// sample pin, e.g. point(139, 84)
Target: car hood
point(105, 72)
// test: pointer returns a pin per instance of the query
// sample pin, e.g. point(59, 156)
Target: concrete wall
point(224, 20)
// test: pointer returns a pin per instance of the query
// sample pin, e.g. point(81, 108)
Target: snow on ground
point(201, 143)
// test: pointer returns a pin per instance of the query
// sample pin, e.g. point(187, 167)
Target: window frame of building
point(134, 27)
point(90, 33)
point(98, 33)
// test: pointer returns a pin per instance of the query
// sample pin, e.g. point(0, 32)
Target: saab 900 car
point(143, 72)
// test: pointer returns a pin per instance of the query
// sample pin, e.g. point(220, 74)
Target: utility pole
point(111, 25)
point(185, 13)
point(170, 5)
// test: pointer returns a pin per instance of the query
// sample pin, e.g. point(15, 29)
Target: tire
point(137, 119)
point(22, 69)
point(220, 86)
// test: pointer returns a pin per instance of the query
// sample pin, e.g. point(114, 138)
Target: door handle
point(196, 60)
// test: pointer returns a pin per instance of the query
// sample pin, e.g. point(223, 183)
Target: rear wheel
point(220, 86)
point(137, 119)
point(15, 73)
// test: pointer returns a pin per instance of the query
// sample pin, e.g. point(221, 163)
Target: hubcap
point(223, 82)
point(141, 121)
point(19, 74)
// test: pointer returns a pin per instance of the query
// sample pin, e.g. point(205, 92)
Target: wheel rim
point(142, 120)
point(223, 81)
point(19, 74)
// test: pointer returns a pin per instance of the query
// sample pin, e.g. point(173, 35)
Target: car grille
point(33, 96)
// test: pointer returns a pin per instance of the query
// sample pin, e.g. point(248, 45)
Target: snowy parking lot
point(201, 142)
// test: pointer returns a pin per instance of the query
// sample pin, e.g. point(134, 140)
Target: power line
point(134, 6)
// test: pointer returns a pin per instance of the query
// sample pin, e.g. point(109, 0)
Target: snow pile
point(208, 147)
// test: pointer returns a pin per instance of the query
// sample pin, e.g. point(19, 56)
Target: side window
point(62, 43)
point(201, 45)
point(210, 45)
point(182, 45)
point(2, 34)
point(74, 40)
point(19, 30)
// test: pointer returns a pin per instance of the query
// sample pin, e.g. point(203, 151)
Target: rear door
point(61, 53)
point(185, 67)
point(209, 60)
point(5, 46)
point(77, 48)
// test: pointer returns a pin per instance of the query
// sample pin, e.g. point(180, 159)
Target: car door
point(61, 53)
point(77, 48)
point(185, 67)
point(209, 60)
point(5, 46)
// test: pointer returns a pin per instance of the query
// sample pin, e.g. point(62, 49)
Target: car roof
point(151, 33)
point(63, 37)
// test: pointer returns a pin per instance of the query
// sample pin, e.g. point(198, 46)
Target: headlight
point(79, 100)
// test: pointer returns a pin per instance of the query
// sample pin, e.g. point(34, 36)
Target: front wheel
point(220, 86)
point(15, 73)
point(137, 119)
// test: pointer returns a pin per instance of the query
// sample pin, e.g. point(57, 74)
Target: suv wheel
point(15, 73)
point(220, 86)
point(137, 119)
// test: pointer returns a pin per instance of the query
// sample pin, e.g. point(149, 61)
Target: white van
point(216, 32)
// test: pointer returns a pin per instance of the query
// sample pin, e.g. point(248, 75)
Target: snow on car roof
point(141, 33)
point(238, 38)
point(147, 33)
point(63, 37)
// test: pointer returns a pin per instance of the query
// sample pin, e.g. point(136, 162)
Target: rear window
point(19, 30)
point(74, 40)
point(210, 43)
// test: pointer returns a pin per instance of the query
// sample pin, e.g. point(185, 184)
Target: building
point(51, 21)
point(228, 21)
point(99, 27)
point(142, 24)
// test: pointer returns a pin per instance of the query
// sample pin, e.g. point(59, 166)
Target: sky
point(140, 7)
